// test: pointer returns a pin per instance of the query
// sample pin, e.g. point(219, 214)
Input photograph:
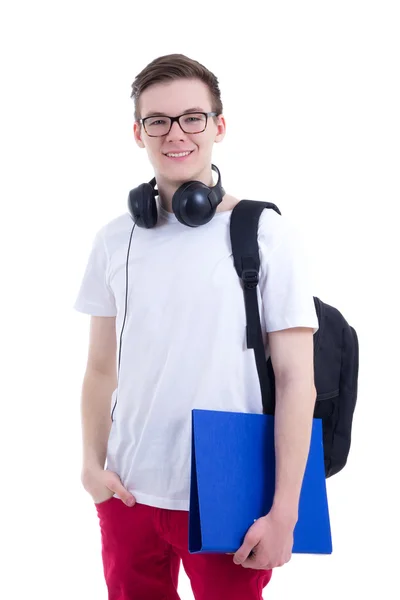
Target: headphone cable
point(123, 324)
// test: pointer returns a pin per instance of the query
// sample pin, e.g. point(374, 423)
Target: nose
point(176, 132)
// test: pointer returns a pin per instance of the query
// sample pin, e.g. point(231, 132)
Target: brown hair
point(175, 66)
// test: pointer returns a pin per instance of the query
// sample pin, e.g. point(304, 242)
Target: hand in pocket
point(101, 484)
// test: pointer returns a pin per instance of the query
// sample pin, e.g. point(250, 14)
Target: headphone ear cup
point(191, 204)
point(142, 205)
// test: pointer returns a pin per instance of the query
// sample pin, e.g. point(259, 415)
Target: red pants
point(142, 548)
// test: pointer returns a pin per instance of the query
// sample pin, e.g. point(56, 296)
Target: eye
point(151, 122)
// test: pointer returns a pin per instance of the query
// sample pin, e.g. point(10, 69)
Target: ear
point(137, 132)
point(221, 129)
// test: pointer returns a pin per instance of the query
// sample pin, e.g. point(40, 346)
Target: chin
point(180, 173)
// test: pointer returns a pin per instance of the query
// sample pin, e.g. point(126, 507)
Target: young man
point(183, 347)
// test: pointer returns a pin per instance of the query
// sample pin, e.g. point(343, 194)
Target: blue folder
point(233, 481)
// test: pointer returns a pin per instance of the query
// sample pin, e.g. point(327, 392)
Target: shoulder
point(115, 231)
point(117, 226)
point(274, 229)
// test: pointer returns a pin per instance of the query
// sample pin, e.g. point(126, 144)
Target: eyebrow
point(188, 110)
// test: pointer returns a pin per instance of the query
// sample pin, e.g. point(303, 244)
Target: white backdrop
point(311, 97)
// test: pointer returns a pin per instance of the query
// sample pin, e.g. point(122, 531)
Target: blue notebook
point(233, 481)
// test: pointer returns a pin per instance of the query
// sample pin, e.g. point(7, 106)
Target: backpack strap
point(244, 240)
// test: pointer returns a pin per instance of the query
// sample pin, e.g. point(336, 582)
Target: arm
point(99, 382)
point(271, 537)
point(292, 354)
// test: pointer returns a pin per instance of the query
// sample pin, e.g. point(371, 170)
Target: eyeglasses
point(158, 126)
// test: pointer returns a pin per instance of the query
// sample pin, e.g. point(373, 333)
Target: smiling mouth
point(178, 154)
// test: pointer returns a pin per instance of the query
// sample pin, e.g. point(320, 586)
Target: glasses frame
point(176, 119)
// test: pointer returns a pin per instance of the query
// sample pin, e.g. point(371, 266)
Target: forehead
point(175, 97)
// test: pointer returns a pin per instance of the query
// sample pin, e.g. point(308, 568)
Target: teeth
point(174, 155)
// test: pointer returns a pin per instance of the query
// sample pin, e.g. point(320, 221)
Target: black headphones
point(193, 203)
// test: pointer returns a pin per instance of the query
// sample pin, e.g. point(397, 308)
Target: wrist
point(89, 468)
point(285, 513)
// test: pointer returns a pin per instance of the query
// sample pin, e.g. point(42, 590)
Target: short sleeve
point(285, 279)
point(95, 296)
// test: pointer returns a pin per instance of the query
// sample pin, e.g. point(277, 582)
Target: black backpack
point(336, 349)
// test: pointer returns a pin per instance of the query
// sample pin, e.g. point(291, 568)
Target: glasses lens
point(156, 126)
point(193, 122)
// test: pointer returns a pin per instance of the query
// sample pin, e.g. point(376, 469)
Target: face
point(173, 99)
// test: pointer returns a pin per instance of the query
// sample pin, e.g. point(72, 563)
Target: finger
point(253, 564)
point(116, 486)
point(249, 564)
point(244, 551)
point(256, 561)
point(250, 559)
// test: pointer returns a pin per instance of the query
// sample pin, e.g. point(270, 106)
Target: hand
point(270, 539)
point(101, 484)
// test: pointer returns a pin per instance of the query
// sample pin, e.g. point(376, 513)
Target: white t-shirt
point(184, 341)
